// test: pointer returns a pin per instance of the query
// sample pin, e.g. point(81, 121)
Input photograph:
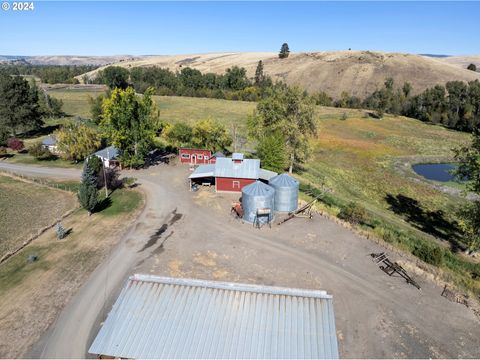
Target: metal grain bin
point(257, 196)
point(286, 192)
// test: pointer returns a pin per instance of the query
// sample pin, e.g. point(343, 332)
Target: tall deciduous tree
point(77, 141)
point(178, 135)
point(284, 51)
point(130, 123)
point(210, 134)
point(87, 191)
point(468, 158)
point(115, 77)
point(19, 108)
point(288, 111)
point(272, 153)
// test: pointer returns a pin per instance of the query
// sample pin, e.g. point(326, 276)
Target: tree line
point(49, 74)
point(232, 85)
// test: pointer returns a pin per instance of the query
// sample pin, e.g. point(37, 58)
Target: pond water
point(437, 172)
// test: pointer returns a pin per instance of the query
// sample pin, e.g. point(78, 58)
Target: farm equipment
point(237, 210)
point(304, 212)
point(390, 268)
point(261, 214)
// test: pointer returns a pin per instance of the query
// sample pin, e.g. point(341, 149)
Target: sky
point(151, 28)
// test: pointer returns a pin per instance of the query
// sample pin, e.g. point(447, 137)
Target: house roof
point(108, 153)
point(218, 154)
point(49, 141)
point(161, 317)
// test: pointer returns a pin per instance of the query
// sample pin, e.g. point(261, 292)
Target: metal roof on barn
point(247, 169)
point(203, 171)
point(160, 317)
point(108, 153)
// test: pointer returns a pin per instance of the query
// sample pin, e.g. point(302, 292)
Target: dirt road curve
point(377, 316)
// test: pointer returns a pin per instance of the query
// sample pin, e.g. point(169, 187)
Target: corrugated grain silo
point(286, 192)
point(257, 196)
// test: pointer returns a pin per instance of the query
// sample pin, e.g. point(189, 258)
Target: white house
point(50, 143)
point(108, 156)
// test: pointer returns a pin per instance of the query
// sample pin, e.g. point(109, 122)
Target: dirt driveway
point(191, 234)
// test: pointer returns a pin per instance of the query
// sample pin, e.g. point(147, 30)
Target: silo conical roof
point(283, 180)
point(258, 188)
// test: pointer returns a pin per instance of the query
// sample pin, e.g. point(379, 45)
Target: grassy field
point(26, 208)
point(356, 157)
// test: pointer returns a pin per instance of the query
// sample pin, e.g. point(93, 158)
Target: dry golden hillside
point(462, 61)
point(357, 72)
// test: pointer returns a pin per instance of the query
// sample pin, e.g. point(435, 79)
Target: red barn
point(231, 174)
point(195, 156)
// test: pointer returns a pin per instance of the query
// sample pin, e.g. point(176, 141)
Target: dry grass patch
point(26, 208)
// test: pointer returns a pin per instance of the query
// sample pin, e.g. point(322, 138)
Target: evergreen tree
point(259, 76)
point(87, 192)
point(284, 51)
point(472, 67)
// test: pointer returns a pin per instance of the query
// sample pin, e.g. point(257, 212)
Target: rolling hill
point(356, 72)
point(462, 61)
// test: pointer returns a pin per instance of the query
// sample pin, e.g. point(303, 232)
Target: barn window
point(185, 156)
point(205, 157)
point(200, 157)
point(236, 184)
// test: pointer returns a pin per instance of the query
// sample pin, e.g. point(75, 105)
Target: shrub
point(40, 152)
point(61, 232)
point(3, 151)
point(15, 144)
point(431, 254)
point(354, 213)
point(344, 116)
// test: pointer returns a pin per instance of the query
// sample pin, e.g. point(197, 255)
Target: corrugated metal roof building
point(232, 174)
point(160, 317)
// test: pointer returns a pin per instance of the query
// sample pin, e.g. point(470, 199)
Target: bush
point(40, 152)
point(344, 116)
point(15, 144)
point(354, 213)
point(431, 254)
point(3, 151)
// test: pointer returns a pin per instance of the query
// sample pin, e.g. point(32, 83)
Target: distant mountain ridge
point(67, 59)
point(357, 72)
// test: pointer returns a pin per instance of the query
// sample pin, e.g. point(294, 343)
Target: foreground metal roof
point(161, 317)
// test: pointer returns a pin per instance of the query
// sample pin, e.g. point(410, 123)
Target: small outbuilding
point(109, 156)
point(194, 156)
point(173, 318)
point(50, 143)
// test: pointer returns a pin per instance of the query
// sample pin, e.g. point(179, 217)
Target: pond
point(437, 172)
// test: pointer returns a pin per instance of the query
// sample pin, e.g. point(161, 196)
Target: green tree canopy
point(114, 77)
point(130, 123)
point(210, 134)
point(19, 108)
point(271, 151)
point(76, 141)
point(288, 111)
point(178, 135)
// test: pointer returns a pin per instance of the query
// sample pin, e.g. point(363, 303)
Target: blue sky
point(139, 28)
